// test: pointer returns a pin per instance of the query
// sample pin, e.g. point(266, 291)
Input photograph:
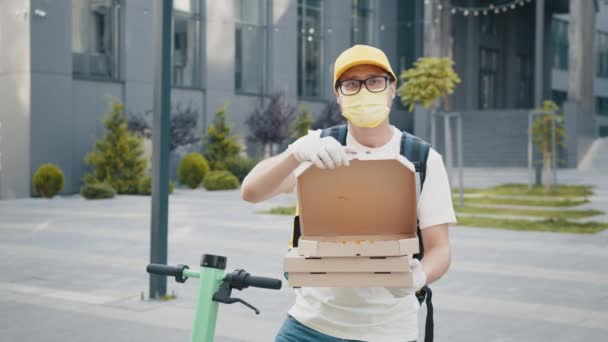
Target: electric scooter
point(215, 287)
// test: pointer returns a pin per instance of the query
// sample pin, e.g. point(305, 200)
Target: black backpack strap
point(417, 151)
point(296, 231)
point(429, 324)
point(337, 132)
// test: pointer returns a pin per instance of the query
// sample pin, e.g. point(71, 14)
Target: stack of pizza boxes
point(358, 226)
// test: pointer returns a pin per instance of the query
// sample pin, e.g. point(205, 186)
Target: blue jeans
point(294, 331)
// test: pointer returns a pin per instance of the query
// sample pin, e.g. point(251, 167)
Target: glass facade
point(96, 38)
point(601, 46)
point(487, 78)
point(487, 25)
point(362, 22)
point(186, 43)
point(310, 48)
point(251, 37)
point(524, 81)
point(559, 35)
point(601, 106)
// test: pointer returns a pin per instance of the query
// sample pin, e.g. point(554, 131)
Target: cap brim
point(361, 62)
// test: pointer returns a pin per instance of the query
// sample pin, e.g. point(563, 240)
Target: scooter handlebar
point(168, 270)
point(262, 282)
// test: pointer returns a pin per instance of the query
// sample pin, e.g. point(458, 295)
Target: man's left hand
point(418, 280)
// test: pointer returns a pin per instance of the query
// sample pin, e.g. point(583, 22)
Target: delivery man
point(364, 85)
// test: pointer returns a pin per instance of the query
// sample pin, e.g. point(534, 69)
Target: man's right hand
point(325, 153)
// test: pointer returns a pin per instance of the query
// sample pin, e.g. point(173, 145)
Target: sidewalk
point(74, 270)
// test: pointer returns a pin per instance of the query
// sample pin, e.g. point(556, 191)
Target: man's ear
point(393, 90)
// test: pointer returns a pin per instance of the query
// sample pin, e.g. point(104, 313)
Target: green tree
point(270, 124)
point(430, 79)
point(302, 124)
point(117, 159)
point(543, 140)
point(220, 145)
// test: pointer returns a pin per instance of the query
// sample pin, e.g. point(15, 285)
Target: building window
point(487, 78)
point(559, 97)
point(524, 81)
point(362, 29)
point(601, 106)
point(601, 42)
point(310, 47)
point(251, 35)
point(559, 33)
point(487, 25)
point(95, 38)
point(186, 43)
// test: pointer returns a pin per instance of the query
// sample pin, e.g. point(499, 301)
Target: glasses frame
point(387, 79)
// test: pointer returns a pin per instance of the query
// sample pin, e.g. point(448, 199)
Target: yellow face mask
point(365, 109)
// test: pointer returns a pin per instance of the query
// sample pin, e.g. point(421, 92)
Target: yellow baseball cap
point(361, 54)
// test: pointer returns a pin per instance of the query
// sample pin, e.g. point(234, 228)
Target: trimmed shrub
point(192, 170)
point(48, 180)
point(118, 158)
point(240, 166)
point(145, 186)
point(219, 142)
point(220, 180)
point(97, 191)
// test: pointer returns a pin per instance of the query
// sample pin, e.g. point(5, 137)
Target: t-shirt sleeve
point(435, 202)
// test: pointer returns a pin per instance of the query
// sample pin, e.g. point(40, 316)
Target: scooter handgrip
point(266, 283)
point(167, 270)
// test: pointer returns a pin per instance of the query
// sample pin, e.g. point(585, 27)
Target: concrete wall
point(15, 99)
point(52, 121)
point(491, 138)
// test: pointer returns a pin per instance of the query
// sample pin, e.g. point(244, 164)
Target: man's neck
point(372, 137)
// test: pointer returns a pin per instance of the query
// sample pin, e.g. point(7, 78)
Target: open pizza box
point(358, 226)
point(365, 209)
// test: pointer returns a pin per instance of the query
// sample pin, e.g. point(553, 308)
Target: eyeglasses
point(374, 84)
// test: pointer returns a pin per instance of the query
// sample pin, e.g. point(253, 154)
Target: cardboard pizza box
point(365, 209)
point(358, 245)
point(360, 279)
point(293, 262)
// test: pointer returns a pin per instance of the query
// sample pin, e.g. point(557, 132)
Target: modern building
point(495, 45)
point(61, 61)
point(560, 63)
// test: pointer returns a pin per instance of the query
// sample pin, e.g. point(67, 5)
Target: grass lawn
point(522, 190)
point(523, 201)
point(291, 211)
point(557, 214)
point(548, 225)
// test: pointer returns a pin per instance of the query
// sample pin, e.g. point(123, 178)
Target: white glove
point(323, 152)
point(419, 280)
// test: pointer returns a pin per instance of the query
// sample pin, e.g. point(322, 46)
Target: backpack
point(416, 151)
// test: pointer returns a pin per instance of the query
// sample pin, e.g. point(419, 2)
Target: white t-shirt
point(373, 313)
